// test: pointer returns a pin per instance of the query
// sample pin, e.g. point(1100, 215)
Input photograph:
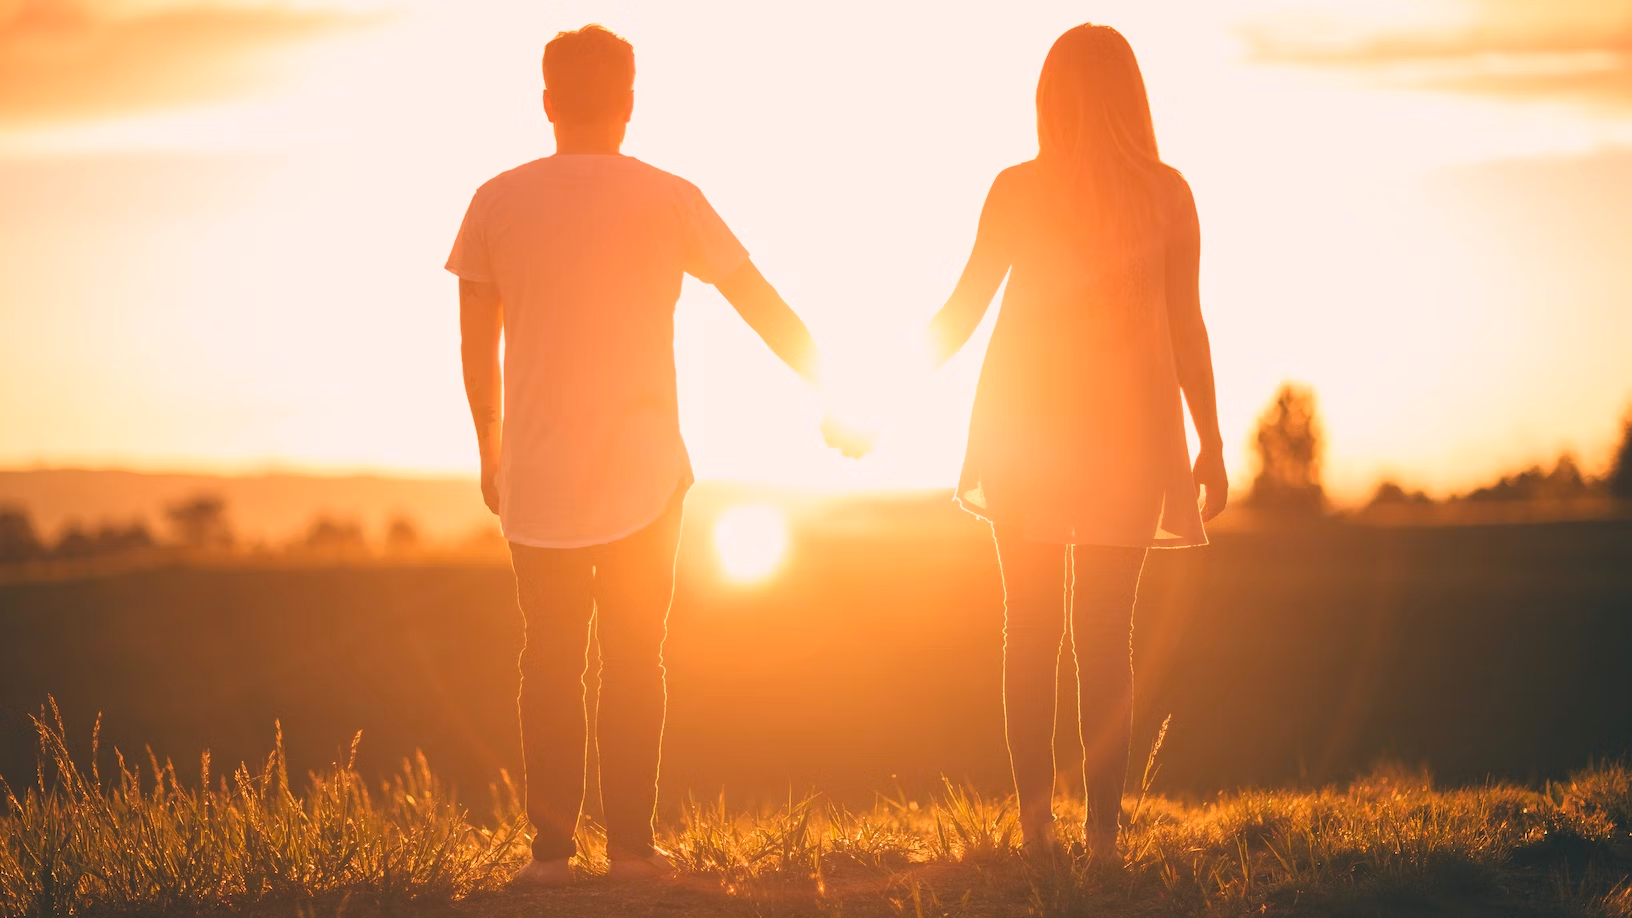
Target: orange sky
point(222, 224)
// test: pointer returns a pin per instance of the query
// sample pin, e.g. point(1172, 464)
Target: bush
point(18, 541)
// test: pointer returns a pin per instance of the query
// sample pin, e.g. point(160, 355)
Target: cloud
point(1577, 50)
point(68, 60)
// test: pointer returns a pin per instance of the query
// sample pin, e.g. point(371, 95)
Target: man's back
point(576, 260)
point(587, 253)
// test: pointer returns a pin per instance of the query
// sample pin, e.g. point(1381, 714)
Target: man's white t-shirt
point(588, 252)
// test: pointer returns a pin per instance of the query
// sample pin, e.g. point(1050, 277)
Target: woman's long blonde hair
point(1095, 137)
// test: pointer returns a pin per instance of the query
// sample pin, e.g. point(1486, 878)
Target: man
point(577, 259)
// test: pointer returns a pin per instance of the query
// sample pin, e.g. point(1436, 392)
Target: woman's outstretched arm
point(988, 263)
point(1193, 353)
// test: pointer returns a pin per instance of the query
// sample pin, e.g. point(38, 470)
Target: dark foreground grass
point(258, 843)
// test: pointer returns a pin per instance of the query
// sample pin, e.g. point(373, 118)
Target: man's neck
point(604, 137)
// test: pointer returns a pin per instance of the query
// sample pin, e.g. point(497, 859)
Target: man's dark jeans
point(623, 588)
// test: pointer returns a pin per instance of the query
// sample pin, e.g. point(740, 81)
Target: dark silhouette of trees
point(200, 521)
point(401, 536)
point(1391, 494)
point(1564, 482)
point(108, 539)
point(329, 536)
point(74, 543)
point(18, 541)
point(1290, 448)
point(1620, 474)
point(114, 539)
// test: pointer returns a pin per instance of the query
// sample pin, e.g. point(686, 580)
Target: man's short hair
point(589, 72)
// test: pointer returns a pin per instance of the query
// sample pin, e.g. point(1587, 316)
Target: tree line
point(1289, 443)
point(197, 524)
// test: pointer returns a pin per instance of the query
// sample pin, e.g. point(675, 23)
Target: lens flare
point(750, 541)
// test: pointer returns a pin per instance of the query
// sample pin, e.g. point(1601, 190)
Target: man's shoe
point(543, 874)
point(657, 866)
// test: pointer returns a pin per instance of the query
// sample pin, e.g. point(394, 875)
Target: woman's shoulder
point(1174, 188)
point(1016, 176)
point(1013, 187)
point(1179, 202)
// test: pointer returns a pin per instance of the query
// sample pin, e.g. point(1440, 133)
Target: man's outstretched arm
point(481, 322)
point(770, 317)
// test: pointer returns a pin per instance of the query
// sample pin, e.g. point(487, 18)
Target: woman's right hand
point(1213, 482)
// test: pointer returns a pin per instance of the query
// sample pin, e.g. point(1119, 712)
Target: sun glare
point(751, 541)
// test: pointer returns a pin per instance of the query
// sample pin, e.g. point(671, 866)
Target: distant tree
point(1289, 454)
point(401, 536)
point(1389, 493)
point(330, 536)
point(18, 540)
point(1566, 481)
point(1620, 474)
point(200, 521)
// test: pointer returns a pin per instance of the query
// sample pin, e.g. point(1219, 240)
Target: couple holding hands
point(1077, 452)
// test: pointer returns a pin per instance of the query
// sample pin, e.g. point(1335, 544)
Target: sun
point(751, 541)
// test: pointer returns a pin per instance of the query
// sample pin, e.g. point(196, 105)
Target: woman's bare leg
point(1033, 630)
point(1106, 584)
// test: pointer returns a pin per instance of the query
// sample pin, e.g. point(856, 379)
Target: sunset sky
point(223, 224)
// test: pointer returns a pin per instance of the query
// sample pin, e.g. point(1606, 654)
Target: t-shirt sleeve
point(469, 258)
point(712, 252)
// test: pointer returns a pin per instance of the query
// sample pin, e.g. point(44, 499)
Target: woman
point(1077, 452)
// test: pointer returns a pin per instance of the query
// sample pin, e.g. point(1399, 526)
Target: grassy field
point(1284, 657)
point(1289, 662)
point(261, 841)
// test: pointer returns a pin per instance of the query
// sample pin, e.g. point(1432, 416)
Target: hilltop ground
point(256, 843)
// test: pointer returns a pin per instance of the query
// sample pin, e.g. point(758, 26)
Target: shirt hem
point(582, 543)
point(529, 542)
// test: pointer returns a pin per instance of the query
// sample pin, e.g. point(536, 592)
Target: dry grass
point(140, 842)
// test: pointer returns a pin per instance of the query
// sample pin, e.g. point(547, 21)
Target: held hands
point(850, 423)
point(869, 387)
point(852, 441)
point(1212, 481)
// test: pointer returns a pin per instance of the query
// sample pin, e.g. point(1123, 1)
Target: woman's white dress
point(1077, 434)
